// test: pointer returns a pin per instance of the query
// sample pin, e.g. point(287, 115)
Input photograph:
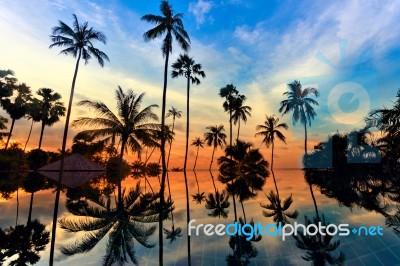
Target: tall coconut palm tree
point(244, 170)
point(17, 107)
point(171, 25)
point(215, 137)
point(130, 123)
point(78, 42)
point(229, 92)
point(269, 131)
point(174, 113)
point(198, 142)
point(51, 109)
point(240, 112)
point(187, 67)
point(127, 221)
point(300, 104)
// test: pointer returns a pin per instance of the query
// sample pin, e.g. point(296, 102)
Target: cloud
point(247, 35)
point(200, 10)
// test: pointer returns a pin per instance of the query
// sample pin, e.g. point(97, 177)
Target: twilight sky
point(349, 50)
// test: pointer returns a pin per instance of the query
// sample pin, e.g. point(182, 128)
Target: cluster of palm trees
point(17, 100)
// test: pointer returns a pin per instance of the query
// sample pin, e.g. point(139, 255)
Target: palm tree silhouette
point(51, 109)
point(244, 170)
point(301, 106)
point(229, 92)
point(174, 113)
point(171, 25)
point(199, 196)
point(187, 67)
point(318, 247)
point(269, 130)
point(125, 223)
point(25, 241)
point(34, 114)
point(130, 123)
point(3, 122)
point(215, 137)
point(198, 142)
point(17, 108)
point(277, 210)
point(240, 111)
point(78, 42)
point(218, 203)
point(7, 83)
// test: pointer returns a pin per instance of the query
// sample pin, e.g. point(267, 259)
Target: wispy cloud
point(200, 9)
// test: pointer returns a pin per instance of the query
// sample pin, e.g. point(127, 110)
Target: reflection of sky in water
point(213, 250)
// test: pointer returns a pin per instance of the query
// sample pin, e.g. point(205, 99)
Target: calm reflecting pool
point(93, 230)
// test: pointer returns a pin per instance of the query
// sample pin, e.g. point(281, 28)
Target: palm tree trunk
point(197, 182)
point(41, 135)
point(185, 163)
point(170, 145)
point(212, 178)
point(121, 155)
point(16, 218)
point(30, 210)
point(195, 160)
point(230, 125)
point(272, 170)
point(64, 143)
point(9, 134)
point(305, 138)
point(29, 135)
point(163, 162)
point(315, 202)
point(146, 180)
point(148, 158)
point(212, 157)
point(244, 213)
point(234, 205)
point(238, 130)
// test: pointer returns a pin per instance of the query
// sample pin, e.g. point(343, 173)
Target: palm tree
point(171, 25)
point(240, 112)
point(269, 131)
point(318, 247)
point(198, 142)
point(199, 196)
point(279, 211)
point(33, 113)
point(301, 106)
point(175, 113)
point(78, 42)
point(244, 170)
point(51, 111)
point(187, 67)
point(229, 92)
point(215, 137)
point(130, 123)
point(7, 83)
point(17, 108)
point(218, 204)
point(125, 222)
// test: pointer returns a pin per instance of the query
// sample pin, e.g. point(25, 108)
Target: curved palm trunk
point(272, 170)
point(163, 162)
point(315, 202)
point(64, 143)
point(195, 160)
point(9, 134)
point(16, 218)
point(212, 178)
point(197, 182)
point(305, 138)
point(29, 135)
point(184, 165)
point(41, 135)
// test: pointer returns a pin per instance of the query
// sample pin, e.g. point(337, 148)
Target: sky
point(348, 50)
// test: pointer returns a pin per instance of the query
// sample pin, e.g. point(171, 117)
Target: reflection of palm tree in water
point(124, 223)
point(218, 203)
point(199, 197)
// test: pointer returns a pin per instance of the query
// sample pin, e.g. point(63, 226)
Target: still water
point(213, 250)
